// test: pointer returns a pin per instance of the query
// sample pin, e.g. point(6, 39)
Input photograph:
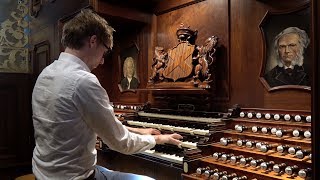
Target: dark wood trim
point(227, 97)
point(36, 52)
point(315, 89)
point(167, 6)
point(106, 9)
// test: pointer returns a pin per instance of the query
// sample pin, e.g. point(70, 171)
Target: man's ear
point(92, 41)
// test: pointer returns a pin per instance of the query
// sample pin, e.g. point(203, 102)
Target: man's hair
point(303, 44)
point(85, 24)
point(125, 65)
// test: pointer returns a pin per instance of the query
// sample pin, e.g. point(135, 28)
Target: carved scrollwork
point(14, 32)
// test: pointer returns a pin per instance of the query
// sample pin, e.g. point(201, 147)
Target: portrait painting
point(129, 76)
point(286, 50)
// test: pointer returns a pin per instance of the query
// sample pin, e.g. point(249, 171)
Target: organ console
point(275, 147)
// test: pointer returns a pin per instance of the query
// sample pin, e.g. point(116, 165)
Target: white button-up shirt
point(70, 108)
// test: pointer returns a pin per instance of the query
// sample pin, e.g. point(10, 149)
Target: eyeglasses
point(107, 51)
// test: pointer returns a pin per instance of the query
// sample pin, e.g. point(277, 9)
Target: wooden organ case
point(258, 144)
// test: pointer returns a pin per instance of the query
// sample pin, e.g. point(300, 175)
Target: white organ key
point(135, 123)
point(152, 125)
point(168, 157)
point(189, 145)
point(183, 129)
point(166, 127)
point(201, 132)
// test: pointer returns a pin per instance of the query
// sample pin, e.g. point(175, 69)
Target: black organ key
point(290, 170)
point(279, 167)
point(255, 163)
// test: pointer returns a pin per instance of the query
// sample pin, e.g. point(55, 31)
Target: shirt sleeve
point(92, 101)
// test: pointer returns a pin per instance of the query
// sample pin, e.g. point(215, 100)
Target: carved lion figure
point(159, 62)
point(205, 57)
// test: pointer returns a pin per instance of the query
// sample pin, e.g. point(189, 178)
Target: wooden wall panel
point(15, 121)
point(247, 55)
point(209, 17)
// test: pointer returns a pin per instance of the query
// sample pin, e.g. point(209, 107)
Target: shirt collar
point(72, 58)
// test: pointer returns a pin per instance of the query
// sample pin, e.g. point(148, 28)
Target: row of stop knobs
point(216, 174)
point(265, 147)
point(276, 131)
point(277, 117)
point(279, 168)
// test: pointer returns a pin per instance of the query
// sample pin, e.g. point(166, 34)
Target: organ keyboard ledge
point(176, 117)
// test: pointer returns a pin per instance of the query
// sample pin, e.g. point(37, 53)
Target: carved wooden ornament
point(186, 65)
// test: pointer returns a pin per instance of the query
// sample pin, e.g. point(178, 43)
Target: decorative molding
point(36, 6)
point(41, 56)
point(14, 38)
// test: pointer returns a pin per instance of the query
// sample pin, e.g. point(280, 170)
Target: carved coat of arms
point(186, 64)
point(179, 64)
